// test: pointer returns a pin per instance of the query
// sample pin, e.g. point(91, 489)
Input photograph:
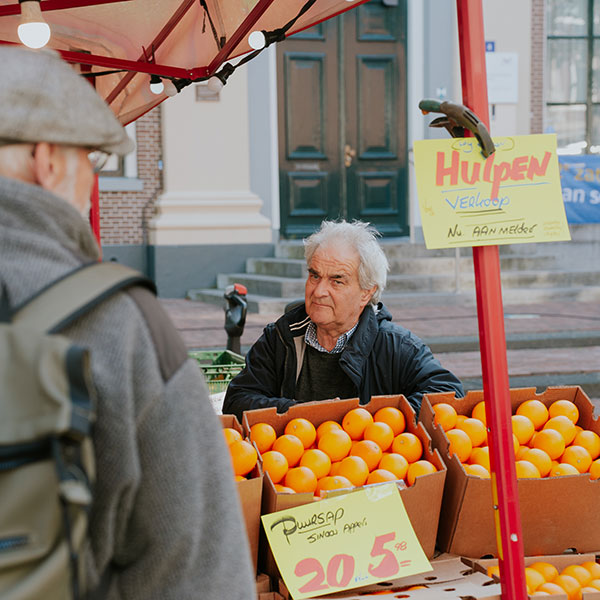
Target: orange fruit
point(336, 444)
point(354, 469)
point(303, 429)
point(526, 469)
point(301, 479)
point(570, 585)
point(327, 426)
point(522, 427)
point(393, 416)
point(563, 469)
point(263, 435)
point(461, 418)
point(481, 456)
point(380, 433)
point(566, 408)
point(396, 463)
point(282, 489)
point(551, 588)
point(317, 461)
point(239, 478)
point(580, 573)
point(409, 445)
point(380, 475)
point(493, 571)
point(335, 482)
point(335, 467)
point(231, 435)
point(516, 445)
point(475, 429)
point(521, 451)
point(550, 441)
point(593, 567)
point(275, 464)
point(563, 425)
point(243, 457)
point(595, 469)
point(533, 579)
point(535, 410)
point(444, 415)
point(590, 441)
point(291, 447)
point(548, 570)
point(476, 470)
point(460, 444)
point(539, 458)
point(478, 412)
point(369, 451)
point(577, 456)
point(418, 468)
point(595, 583)
point(355, 422)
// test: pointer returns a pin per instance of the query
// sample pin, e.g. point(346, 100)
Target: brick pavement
point(201, 326)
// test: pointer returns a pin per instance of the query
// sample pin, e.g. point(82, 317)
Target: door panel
point(342, 121)
point(309, 169)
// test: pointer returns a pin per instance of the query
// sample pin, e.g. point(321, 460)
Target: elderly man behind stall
point(165, 520)
point(341, 342)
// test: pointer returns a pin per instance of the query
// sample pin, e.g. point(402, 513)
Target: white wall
point(207, 197)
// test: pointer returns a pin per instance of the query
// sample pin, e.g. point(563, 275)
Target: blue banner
point(580, 181)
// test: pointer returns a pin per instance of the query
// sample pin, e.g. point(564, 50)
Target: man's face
point(78, 179)
point(333, 297)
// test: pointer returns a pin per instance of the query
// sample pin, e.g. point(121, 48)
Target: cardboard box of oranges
point(422, 499)
point(250, 492)
point(556, 483)
point(562, 576)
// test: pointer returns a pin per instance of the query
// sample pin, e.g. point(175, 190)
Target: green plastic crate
point(219, 367)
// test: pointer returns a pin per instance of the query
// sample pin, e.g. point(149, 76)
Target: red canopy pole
point(492, 338)
point(95, 210)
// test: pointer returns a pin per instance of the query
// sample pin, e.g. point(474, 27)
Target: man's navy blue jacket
point(380, 358)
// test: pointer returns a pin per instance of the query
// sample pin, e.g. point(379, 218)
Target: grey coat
point(165, 521)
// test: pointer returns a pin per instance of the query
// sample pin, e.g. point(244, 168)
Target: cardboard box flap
point(450, 579)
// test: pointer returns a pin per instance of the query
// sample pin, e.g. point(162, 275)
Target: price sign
point(513, 196)
point(344, 542)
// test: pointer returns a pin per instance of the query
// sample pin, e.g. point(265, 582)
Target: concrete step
point(278, 267)
point(526, 281)
point(262, 305)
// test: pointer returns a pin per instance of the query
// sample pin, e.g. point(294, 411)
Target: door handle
point(349, 154)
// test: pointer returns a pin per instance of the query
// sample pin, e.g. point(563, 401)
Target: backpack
point(46, 456)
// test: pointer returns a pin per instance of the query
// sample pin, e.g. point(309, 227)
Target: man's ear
point(366, 295)
point(48, 165)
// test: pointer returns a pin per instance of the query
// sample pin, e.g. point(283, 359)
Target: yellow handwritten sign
point(513, 196)
point(344, 542)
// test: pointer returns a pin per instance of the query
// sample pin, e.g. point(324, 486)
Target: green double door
point(342, 121)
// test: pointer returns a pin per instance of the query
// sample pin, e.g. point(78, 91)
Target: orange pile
point(362, 449)
point(543, 578)
point(243, 454)
point(547, 440)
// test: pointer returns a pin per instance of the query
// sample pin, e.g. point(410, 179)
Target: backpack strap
point(63, 301)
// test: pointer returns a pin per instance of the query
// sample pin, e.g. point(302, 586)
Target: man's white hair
point(373, 265)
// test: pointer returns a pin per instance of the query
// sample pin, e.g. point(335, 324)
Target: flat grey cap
point(42, 99)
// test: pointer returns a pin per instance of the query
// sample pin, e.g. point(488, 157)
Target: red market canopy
point(126, 41)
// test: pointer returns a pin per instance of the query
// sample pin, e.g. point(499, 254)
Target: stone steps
point(529, 273)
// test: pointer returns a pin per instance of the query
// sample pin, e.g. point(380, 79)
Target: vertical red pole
point(492, 338)
point(95, 210)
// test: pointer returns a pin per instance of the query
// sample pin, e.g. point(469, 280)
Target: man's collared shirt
point(310, 337)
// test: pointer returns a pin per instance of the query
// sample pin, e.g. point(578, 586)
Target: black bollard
point(235, 309)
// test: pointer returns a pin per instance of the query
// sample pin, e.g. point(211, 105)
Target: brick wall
point(123, 215)
point(538, 64)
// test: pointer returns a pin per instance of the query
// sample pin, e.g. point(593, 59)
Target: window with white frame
point(573, 74)
point(120, 173)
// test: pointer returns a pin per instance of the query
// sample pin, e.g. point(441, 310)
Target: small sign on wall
point(502, 77)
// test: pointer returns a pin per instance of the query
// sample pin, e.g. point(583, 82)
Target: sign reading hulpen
point(513, 196)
